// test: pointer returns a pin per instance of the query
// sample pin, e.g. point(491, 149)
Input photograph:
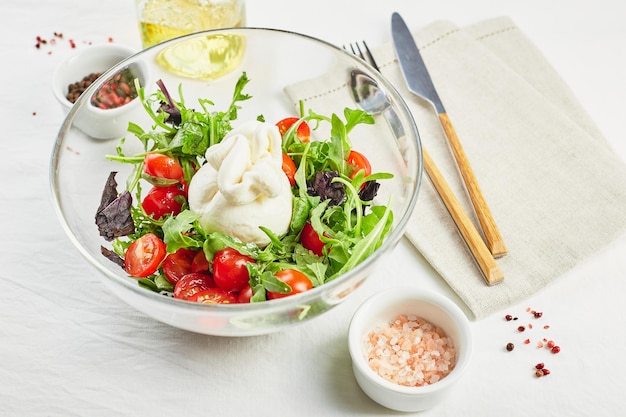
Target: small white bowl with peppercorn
point(112, 99)
point(409, 347)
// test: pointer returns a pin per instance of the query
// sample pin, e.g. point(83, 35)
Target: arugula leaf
point(368, 245)
point(316, 272)
point(238, 96)
point(163, 284)
point(273, 284)
point(215, 241)
point(148, 284)
point(355, 117)
point(263, 281)
point(191, 138)
point(175, 231)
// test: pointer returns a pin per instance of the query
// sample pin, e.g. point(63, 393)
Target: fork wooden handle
point(493, 238)
point(484, 259)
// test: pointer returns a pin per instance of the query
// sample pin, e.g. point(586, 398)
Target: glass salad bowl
point(288, 75)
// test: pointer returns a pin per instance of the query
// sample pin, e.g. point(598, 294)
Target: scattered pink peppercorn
point(543, 342)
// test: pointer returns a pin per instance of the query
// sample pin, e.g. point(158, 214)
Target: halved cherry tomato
point(144, 255)
point(311, 240)
point(303, 133)
point(289, 168)
point(359, 162)
point(158, 166)
point(214, 296)
point(295, 279)
point(245, 295)
point(191, 284)
point(178, 264)
point(200, 262)
point(229, 269)
point(161, 201)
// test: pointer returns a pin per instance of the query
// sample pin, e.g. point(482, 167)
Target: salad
point(163, 229)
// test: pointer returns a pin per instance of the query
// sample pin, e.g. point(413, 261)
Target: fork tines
point(367, 56)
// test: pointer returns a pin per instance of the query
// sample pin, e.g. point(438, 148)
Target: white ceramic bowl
point(79, 169)
point(96, 122)
point(384, 307)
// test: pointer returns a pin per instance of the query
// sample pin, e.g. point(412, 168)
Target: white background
point(69, 348)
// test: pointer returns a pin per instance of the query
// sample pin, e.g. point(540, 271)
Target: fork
point(476, 245)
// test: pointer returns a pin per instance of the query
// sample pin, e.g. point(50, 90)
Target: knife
point(419, 82)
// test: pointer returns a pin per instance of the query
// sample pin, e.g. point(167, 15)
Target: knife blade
point(419, 82)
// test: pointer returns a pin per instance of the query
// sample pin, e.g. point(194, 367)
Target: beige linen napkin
point(555, 188)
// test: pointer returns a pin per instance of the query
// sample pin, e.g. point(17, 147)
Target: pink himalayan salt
point(410, 351)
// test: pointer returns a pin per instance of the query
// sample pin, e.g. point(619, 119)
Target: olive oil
point(203, 57)
point(160, 20)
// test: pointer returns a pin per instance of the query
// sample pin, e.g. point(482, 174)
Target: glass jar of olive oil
point(160, 20)
point(202, 57)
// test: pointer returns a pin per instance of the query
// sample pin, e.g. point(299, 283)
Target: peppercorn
point(510, 346)
point(74, 90)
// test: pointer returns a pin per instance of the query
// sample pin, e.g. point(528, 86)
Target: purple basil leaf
point(113, 217)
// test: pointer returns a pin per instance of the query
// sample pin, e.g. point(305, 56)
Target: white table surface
point(70, 348)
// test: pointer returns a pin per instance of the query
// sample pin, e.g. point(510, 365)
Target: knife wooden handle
point(493, 238)
point(484, 259)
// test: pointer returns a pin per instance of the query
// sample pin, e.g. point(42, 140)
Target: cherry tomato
point(359, 162)
point(159, 166)
point(295, 279)
point(229, 269)
point(245, 295)
point(144, 255)
point(311, 240)
point(161, 201)
point(200, 262)
point(214, 296)
point(303, 133)
point(289, 168)
point(178, 264)
point(191, 284)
